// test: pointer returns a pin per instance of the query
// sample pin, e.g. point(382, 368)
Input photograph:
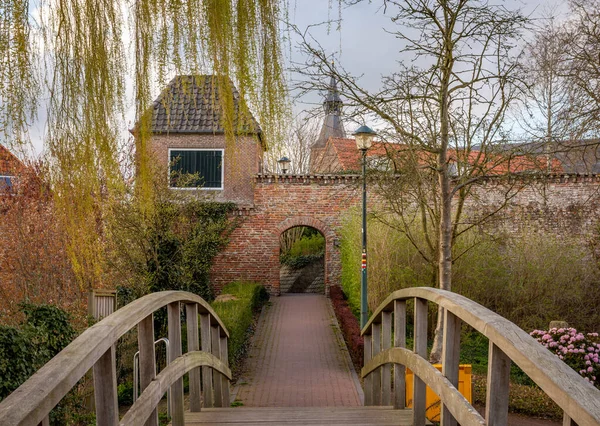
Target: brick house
point(10, 167)
point(188, 140)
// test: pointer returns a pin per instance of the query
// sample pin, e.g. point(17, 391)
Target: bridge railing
point(579, 400)
point(32, 402)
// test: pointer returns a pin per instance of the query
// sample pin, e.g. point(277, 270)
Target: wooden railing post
point(420, 348)
point(376, 375)
point(174, 322)
point(205, 340)
point(399, 342)
point(368, 381)
point(225, 359)
point(216, 351)
point(193, 344)
point(147, 359)
point(105, 389)
point(450, 358)
point(386, 371)
point(496, 406)
point(567, 420)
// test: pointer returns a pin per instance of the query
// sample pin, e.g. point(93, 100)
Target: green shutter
point(205, 165)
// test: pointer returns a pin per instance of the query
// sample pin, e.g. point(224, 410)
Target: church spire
point(332, 124)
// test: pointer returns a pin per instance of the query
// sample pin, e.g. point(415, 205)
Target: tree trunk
point(445, 226)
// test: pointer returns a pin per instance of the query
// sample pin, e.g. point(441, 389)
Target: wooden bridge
point(386, 358)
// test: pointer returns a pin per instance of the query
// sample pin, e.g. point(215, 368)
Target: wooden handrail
point(575, 396)
point(461, 408)
point(143, 407)
point(34, 399)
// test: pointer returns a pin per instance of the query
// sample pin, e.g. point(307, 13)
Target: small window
point(6, 183)
point(194, 168)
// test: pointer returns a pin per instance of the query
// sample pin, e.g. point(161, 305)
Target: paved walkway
point(298, 357)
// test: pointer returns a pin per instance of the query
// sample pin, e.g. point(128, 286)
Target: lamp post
point(284, 164)
point(364, 138)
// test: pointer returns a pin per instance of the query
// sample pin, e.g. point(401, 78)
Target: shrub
point(580, 352)
point(349, 325)
point(522, 277)
point(308, 245)
point(24, 349)
point(238, 314)
point(393, 263)
point(299, 262)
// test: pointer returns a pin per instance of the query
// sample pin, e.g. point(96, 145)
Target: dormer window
point(196, 168)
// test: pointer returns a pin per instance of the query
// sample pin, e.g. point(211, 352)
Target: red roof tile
point(493, 164)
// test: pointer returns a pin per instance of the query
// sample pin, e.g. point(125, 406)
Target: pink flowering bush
point(581, 352)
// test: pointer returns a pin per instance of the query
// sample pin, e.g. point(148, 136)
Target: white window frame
point(197, 188)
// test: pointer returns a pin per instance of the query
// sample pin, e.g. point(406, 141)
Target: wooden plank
point(142, 408)
point(376, 375)
point(386, 370)
point(399, 341)
point(217, 381)
point(147, 360)
point(496, 406)
point(37, 396)
point(420, 348)
point(225, 358)
point(567, 421)
point(368, 382)
point(559, 381)
point(450, 359)
point(331, 416)
point(458, 405)
point(193, 342)
point(105, 389)
point(206, 343)
point(174, 322)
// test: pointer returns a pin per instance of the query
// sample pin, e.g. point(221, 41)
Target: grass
point(237, 315)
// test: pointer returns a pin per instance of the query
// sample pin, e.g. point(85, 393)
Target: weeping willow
point(86, 54)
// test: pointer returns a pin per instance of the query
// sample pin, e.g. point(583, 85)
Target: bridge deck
point(300, 416)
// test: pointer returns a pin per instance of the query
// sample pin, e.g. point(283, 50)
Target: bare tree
point(550, 101)
point(446, 110)
point(582, 45)
point(296, 146)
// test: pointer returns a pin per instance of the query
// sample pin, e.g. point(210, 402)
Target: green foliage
point(393, 263)
point(299, 262)
point(308, 245)
point(304, 250)
point(23, 350)
point(183, 243)
point(238, 313)
point(125, 393)
point(530, 279)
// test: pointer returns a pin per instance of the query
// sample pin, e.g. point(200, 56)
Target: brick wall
point(561, 205)
point(241, 163)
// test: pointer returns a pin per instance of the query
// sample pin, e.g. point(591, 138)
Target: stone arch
point(323, 228)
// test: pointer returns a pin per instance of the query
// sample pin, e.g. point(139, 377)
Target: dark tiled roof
point(190, 104)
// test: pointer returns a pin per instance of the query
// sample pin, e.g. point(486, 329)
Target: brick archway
point(323, 228)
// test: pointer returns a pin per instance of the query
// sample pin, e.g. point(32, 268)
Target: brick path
point(297, 358)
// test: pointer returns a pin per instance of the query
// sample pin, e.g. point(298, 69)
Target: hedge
point(238, 314)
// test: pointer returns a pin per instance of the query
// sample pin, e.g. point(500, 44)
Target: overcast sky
point(360, 45)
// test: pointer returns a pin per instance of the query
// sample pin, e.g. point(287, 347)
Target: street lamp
point(284, 164)
point(364, 138)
